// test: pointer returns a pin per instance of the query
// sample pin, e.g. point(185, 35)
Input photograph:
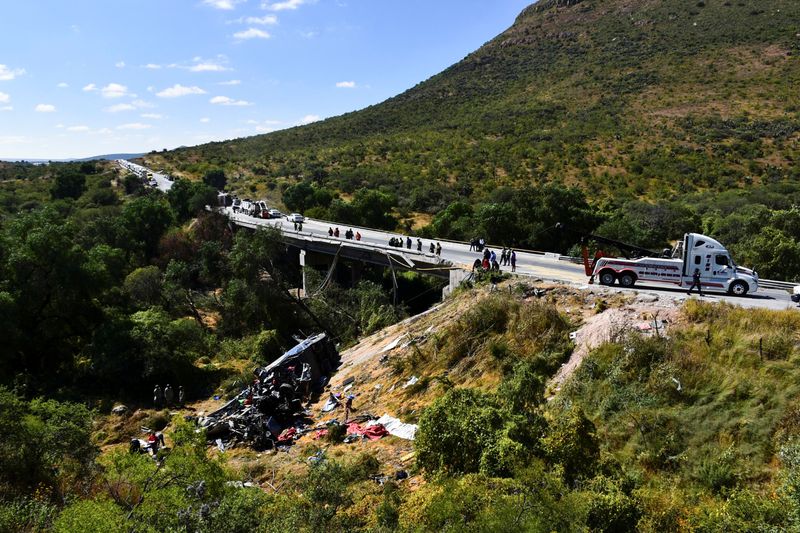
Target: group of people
point(167, 396)
point(490, 262)
point(298, 226)
point(347, 234)
point(477, 244)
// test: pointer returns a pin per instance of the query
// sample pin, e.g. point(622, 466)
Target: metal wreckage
point(274, 401)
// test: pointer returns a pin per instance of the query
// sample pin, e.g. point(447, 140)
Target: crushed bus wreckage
point(274, 401)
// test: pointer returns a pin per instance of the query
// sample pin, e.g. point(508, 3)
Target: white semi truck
point(717, 269)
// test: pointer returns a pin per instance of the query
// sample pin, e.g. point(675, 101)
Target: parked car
point(274, 213)
point(295, 217)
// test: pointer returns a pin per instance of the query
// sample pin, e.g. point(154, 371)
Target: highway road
point(162, 183)
point(535, 265)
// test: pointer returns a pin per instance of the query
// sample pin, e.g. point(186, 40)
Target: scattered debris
point(270, 410)
point(397, 428)
point(412, 381)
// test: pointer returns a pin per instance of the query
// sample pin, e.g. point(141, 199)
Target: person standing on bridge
point(432, 248)
point(299, 226)
point(358, 235)
point(696, 282)
point(513, 261)
point(408, 242)
point(439, 249)
point(419, 244)
point(330, 231)
point(336, 233)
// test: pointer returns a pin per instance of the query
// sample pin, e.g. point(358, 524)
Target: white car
point(295, 217)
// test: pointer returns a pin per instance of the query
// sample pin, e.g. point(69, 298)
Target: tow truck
point(717, 269)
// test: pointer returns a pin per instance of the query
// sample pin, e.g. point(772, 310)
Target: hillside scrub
point(661, 114)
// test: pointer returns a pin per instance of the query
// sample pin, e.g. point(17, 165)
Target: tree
point(374, 209)
point(187, 198)
point(141, 224)
point(216, 178)
point(68, 183)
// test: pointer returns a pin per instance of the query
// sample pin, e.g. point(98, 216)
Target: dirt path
point(600, 328)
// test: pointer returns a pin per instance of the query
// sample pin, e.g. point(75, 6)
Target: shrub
point(91, 516)
point(572, 443)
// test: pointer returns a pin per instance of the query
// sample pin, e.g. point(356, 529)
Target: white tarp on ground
point(396, 428)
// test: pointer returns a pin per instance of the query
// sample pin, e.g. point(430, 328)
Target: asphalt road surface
point(547, 268)
point(162, 183)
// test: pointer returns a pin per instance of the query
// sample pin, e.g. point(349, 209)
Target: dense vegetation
point(678, 109)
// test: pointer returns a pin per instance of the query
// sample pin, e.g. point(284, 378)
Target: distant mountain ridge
point(106, 157)
point(623, 98)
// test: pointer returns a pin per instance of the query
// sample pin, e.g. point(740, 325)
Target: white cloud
point(78, 128)
point(230, 82)
point(89, 88)
point(45, 108)
point(224, 100)
point(120, 107)
point(222, 4)
point(114, 90)
point(142, 104)
point(7, 74)
point(205, 120)
point(4, 98)
point(7, 108)
point(263, 21)
point(62, 85)
point(134, 126)
point(152, 66)
point(346, 85)
point(308, 119)
point(155, 116)
point(308, 34)
point(283, 6)
point(251, 33)
point(119, 64)
point(179, 90)
point(208, 67)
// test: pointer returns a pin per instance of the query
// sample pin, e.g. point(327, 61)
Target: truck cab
point(716, 266)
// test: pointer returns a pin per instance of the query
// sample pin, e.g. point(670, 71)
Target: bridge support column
point(457, 276)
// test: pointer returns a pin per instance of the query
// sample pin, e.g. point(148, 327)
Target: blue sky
point(88, 77)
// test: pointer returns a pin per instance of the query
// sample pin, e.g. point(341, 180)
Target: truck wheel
point(738, 288)
point(627, 280)
point(607, 277)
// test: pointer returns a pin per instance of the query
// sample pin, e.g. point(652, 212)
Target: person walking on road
point(513, 261)
point(696, 282)
point(330, 232)
point(419, 245)
point(336, 233)
point(432, 248)
point(408, 242)
point(358, 235)
point(438, 249)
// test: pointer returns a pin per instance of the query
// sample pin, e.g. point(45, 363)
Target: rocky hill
point(624, 98)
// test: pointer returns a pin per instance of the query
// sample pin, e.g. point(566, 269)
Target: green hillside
point(676, 101)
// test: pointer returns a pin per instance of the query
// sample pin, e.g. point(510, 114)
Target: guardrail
point(774, 284)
